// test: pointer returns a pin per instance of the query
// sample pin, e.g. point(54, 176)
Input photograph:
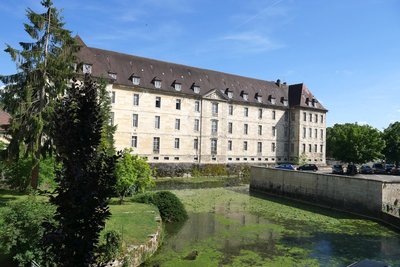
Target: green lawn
point(135, 221)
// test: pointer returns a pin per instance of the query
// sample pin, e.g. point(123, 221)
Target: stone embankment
point(376, 198)
point(137, 254)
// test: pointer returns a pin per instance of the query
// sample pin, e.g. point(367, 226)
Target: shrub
point(21, 229)
point(169, 205)
point(111, 248)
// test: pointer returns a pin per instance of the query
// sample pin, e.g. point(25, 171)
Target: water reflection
point(239, 230)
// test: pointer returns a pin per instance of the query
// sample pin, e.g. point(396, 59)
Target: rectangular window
point(245, 128)
point(156, 145)
point(196, 125)
point(315, 148)
point(245, 145)
point(214, 144)
point(176, 143)
point(273, 131)
point(134, 141)
point(322, 134)
point(157, 121)
point(157, 84)
point(322, 118)
point(87, 68)
point(315, 133)
point(135, 99)
point(214, 109)
point(316, 118)
point(177, 124)
point(309, 132)
point(260, 113)
point(214, 127)
point(230, 145)
point(273, 114)
point(135, 120)
point(309, 148)
point(112, 97)
point(136, 80)
point(304, 148)
point(111, 122)
point(230, 127)
point(196, 144)
point(304, 116)
point(158, 102)
point(230, 110)
point(273, 147)
point(178, 104)
point(321, 147)
point(197, 106)
point(304, 132)
point(246, 112)
point(259, 129)
point(259, 147)
point(310, 117)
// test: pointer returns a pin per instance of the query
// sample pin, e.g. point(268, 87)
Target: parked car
point(378, 168)
point(308, 167)
point(285, 167)
point(366, 169)
point(395, 171)
point(351, 169)
point(337, 169)
point(389, 167)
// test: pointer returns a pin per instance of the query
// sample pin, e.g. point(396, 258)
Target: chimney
point(278, 82)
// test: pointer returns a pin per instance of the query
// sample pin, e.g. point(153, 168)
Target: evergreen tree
point(86, 181)
point(44, 67)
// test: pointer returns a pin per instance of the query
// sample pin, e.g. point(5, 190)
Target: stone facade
point(171, 113)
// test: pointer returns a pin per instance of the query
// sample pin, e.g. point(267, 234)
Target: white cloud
point(248, 42)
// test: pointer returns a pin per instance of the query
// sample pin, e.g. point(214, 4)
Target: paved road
point(377, 177)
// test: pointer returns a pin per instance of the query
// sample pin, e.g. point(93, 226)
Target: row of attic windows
point(87, 68)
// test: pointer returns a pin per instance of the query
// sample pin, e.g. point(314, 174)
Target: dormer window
point(177, 86)
point(87, 68)
point(229, 93)
point(195, 88)
point(308, 102)
point(313, 102)
point(244, 95)
point(136, 80)
point(259, 97)
point(157, 82)
point(112, 75)
point(284, 101)
point(272, 99)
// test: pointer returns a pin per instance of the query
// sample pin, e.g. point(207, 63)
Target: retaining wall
point(369, 197)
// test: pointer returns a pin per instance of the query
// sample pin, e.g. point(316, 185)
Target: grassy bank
point(199, 182)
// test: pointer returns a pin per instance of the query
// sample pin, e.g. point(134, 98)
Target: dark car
point(351, 169)
point(308, 167)
point(389, 167)
point(337, 169)
point(366, 169)
point(378, 168)
point(285, 167)
point(395, 171)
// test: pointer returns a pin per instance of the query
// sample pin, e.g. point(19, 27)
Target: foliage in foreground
point(133, 174)
point(355, 143)
point(110, 249)
point(21, 229)
point(169, 205)
point(86, 181)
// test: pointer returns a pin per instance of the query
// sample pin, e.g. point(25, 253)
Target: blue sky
point(346, 51)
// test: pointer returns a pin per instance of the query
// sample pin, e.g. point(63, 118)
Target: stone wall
point(357, 195)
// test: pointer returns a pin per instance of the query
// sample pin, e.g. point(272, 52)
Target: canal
point(230, 227)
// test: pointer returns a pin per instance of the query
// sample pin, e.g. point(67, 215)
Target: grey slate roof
point(125, 66)
point(300, 96)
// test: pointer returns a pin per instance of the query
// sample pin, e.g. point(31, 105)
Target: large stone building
point(174, 113)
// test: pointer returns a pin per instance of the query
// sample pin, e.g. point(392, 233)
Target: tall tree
point(86, 181)
point(44, 67)
point(354, 143)
point(391, 135)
